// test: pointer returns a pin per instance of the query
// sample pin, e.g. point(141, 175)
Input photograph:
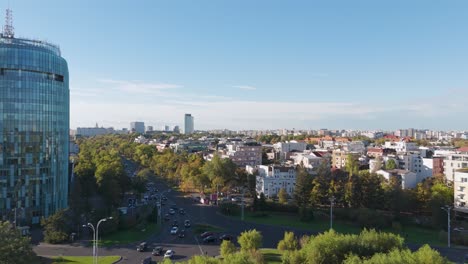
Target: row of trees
point(352, 188)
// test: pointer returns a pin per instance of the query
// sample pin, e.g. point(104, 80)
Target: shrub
point(289, 242)
point(294, 257)
point(227, 248)
point(250, 240)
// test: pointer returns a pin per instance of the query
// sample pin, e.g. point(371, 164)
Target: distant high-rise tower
point(34, 126)
point(188, 125)
point(138, 127)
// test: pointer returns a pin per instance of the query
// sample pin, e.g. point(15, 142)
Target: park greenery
point(360, 196)
point(14, 248)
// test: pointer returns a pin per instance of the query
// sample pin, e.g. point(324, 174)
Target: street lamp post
point(242, 203)
point(94, 240)
point(332, 202)
point(96, 237)
point(447, 209)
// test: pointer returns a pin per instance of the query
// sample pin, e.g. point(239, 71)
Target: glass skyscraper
point(34, 128)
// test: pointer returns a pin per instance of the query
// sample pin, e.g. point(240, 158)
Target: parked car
point(187, 223)
point(209, 239)
point(174, 230)
point(206, 234)
point(157, 251)
point(142, 247)
point(181, 211)
point(171, 211)
point(147, 260)
point(167, 217)
point(182, 233)
point(225, 237)
point(175, 223)
point(169, 254)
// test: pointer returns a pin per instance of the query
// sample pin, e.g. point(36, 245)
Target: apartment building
point(272, 178)
point(243, 154)
point(460, 190)
point(340, 157)
point(454, 162)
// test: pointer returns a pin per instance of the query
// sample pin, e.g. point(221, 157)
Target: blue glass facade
point(34, 128)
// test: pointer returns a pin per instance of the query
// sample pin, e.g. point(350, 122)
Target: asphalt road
point(191, 244)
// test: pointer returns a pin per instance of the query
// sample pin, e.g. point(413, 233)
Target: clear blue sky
point(259, 64)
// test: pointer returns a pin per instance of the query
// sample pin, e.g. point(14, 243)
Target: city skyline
point(262, 65)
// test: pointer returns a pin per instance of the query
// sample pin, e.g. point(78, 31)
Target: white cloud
point(139, 86)
point(245, 87)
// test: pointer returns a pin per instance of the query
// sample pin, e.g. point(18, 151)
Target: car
point(181, 211)
point(175, 223)
point(182, 233)
point(187, 223)
point(206, 234)
point(225, 237)
point(171, 211)
point(174, 206)
point(158, 251)
point(167, 217)
point(209, 239)
point(169, 254)
point(164, 198)
point(147, 260)
point(174, 230)
point(142, 247)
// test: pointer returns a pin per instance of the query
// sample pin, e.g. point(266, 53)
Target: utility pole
point(332, 202)
point(447, 209)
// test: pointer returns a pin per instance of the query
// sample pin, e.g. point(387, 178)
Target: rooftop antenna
point(8, 29)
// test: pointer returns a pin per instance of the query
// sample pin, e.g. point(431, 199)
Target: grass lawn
point(271, 255)
point(412, 234)
point(84, 260)
point(129, 236)
point(200, 228)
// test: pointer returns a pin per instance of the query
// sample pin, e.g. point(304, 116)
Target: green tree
point(250, 240)
point(352, 165)
point(288, 243)
point(56, 227)
point(227, 248)
point(390, 164)
point(302, 190)
point(14, 249)
point(283, 196)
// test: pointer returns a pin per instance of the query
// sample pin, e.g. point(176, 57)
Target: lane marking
point(201, 250)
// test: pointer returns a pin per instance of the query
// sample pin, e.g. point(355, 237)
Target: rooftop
point(40, 44)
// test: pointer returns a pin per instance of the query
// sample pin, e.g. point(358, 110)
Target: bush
point(332, 248)
point(227, 248)
point(288, 243)
point(250, 240)
point(56, 227)
point(293, 257)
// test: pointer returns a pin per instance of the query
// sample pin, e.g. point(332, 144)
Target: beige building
point(340, 157)
point(243, 155)
point(454, 162)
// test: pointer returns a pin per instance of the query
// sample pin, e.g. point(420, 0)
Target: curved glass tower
point(34, 129)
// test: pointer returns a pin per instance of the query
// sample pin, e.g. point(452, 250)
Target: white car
point(169, 254)
point(174, 231)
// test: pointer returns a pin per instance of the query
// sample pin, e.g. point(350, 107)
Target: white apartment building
point(284, 147)
point(460, 190)
point(454, 162)
point(271, 178)
point(408, 179)
point(401, 146)
point(308, 160)
point(355, 146)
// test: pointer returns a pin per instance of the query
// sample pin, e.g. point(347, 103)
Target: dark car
point(206, 234)
point(164, 198)
point(182, 233)
point(225, 237)
point(175, 223)
point(158, 251)
point(209, 239)
point(181, 211)
point(147, 260)
point(187, 223)
point(167, 217)
point(142, 247)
